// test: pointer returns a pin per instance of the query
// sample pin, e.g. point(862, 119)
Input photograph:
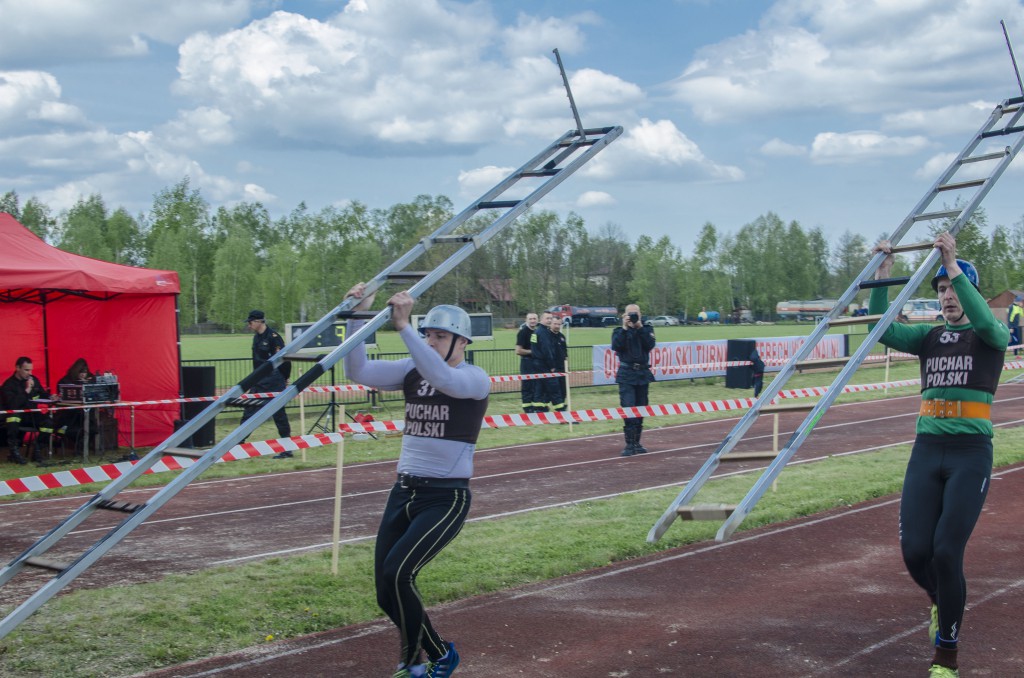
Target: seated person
point(70, 423)
point(22, 391)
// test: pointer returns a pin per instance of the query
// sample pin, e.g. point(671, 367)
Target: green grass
point(385, 447)
point(122, 630)
point(219, 346)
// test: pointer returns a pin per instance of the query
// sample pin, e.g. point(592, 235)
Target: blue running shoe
point(445, 666)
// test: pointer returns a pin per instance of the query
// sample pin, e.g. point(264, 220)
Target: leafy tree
point(9, 203)
point(179, 239)
point(35, 216)
point(236, 270)
point(84, 229)
point(654, 284)
point(124, 238)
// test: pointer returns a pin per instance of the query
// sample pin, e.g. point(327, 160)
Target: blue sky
point(838, 114)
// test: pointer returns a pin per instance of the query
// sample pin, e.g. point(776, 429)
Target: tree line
point(297, 267)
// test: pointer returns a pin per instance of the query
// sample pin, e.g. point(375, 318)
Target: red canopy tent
point(56, 307)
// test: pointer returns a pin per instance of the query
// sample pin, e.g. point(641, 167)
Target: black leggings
point(416, 525)
point(944, 489)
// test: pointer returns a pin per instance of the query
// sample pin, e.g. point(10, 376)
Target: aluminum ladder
point(970, 188)
point(549, 168)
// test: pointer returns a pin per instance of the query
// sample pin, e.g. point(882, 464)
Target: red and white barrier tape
point(247, 450)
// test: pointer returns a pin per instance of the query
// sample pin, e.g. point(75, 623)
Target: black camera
point(634, 317)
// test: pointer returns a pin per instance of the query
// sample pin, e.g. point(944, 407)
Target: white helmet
point(450, 319)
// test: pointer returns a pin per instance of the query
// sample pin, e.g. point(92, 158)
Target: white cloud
point(113, 161)
point(198, 128)
point(657, 150)
point(849, 147)
point(532, 35)
point(28, 98)
point(392, 77)
point(955, 119)
point(851, 56)
point(934, 166)
point(594, 199)
point(47, 31)
point(780, 148)
point(473, 183)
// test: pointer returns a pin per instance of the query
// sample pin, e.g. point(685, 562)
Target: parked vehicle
point(923, 310)
point(583, 316)
point(663, 321)
point(709, 317)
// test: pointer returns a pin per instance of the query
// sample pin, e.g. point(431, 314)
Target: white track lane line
point(649, 561)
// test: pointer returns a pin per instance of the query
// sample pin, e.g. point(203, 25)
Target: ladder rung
point(1003, 131)
point(1012, 108)
point(884, 282)
point(122, 506)
point(924, 244)
point(184, 452)
point(452, 238)
point(547, 172)
point(46, 564)
point(497, 204)
point(854, 320)
point(357, 314)
point(706, 511)
point(299, 356)
point(987, 156)
point(956, 186)
point(821, 362)
point(930, 216)
point(782, 409)
point(748, 456)
point(408, 275)
point(578, 142)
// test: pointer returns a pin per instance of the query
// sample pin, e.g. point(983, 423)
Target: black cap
point(255, 315)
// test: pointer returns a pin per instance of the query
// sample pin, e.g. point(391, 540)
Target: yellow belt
point(953, 409)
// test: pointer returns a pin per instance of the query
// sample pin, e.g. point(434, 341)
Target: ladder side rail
point(775, 468)
point(933, 192)
point(810, 421)
point(740, 429)
point(114, 487)
point(512, 214)
point(266, 411)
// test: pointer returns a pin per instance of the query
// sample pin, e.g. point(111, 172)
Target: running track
point(224, 521)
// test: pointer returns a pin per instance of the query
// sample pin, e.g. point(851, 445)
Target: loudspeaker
point(198, 381)
point(739, 349)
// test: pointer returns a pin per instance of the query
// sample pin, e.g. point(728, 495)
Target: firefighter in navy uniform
point(22, 391)
point(633, 343)
point(529, 388)
point(265, 343)
point(551, 350)
point(540, 343)
point(445, 402)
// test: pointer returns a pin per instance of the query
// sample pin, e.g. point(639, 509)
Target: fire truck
point(583, 316)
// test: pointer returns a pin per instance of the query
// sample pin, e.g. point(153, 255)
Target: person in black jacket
point(633, 343)
point(758, 375)
point(551, 351)
point(22, 391)
point(525, 341)
point(265, 343)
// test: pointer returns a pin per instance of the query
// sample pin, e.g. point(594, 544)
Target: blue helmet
point(965, 266)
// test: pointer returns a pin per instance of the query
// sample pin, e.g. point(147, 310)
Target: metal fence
point(494, 361)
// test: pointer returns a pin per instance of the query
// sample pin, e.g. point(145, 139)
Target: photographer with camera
point(633, 343)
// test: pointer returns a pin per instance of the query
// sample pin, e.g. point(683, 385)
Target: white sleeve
point(386, 375)
point(465, 381)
